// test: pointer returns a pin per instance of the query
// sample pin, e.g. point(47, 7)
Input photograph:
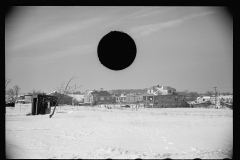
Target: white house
point(161, 90)
point(203, 99)
point(122, 98)
point(88, 98)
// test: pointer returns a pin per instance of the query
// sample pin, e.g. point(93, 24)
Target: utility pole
point(215, 97)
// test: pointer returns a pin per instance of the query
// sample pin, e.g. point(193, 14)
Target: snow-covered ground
point(87, 132)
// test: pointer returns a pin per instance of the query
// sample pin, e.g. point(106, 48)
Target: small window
point(101, 98)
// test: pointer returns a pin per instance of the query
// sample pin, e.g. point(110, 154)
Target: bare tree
point(16, 90)
point(64, 89)
point(7, 81)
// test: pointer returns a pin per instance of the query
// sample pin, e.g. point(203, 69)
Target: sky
point(187, 48)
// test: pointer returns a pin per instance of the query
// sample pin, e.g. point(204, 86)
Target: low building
point(131, 98)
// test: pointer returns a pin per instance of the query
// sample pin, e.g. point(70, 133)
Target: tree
point(16, 90)
point(209, 93)
point(226, 93)
point(9, 95)
point(64, 89)
point(34, 92)
point(193, 95)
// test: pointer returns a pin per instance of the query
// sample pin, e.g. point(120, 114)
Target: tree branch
point(63, 90)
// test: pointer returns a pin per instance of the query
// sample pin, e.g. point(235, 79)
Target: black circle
point(116, 50)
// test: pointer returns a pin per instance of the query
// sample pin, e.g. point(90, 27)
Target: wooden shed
point(41, 104)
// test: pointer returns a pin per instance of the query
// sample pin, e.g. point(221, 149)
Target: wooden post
point(36, 106)
point(153, 101)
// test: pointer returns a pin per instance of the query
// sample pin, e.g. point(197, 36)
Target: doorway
point(34, 106)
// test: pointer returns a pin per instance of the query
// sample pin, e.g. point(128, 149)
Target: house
point(157, 90)
point(164, 96)
point(163, 90)
point(98, 97)
point(88, 97)
point(123, 98)
point(102, 97)
point(170, 100)
point(25, 98)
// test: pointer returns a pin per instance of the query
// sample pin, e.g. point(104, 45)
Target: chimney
point(101, 89)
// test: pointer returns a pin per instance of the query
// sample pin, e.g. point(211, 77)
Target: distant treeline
point(127, 91)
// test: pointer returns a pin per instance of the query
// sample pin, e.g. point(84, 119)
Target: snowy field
point(87, 132)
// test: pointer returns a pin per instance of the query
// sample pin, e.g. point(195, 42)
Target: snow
point(87, 132)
